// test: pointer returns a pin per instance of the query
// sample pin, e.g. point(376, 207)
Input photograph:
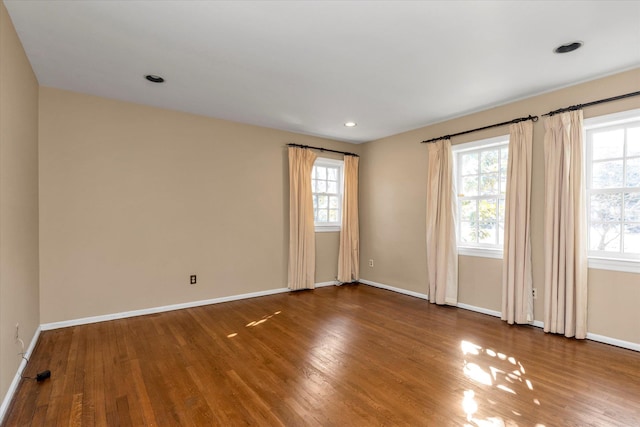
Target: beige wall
point(134, 199)
point(393, 173)
point(18, 200)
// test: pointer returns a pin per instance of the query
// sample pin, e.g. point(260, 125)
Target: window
point(612, 145)
point(481, 181)
point(326, 185)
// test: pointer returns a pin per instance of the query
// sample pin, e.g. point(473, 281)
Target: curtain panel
point(565, 231)
point(517, 282)
point(302, 233)
point(442, 251)
point(349, 251)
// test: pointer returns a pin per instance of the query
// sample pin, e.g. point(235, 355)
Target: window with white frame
point(481, 181)
point(612, 145)
point(327, 185)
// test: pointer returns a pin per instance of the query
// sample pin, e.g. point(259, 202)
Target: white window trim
point(481, 252)
point(598, 260)
point(331, 227)
point(626, 265)
point(476, 251)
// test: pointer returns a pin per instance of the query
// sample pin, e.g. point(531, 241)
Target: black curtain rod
point(322, 149)
point(518, 120)
point(589, 104)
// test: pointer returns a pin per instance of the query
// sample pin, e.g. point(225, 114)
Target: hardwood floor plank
point(351, 355)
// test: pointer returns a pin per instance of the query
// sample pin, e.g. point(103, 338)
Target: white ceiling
point(310, 66)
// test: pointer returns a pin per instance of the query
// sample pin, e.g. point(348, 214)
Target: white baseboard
point(16, 379)
point(154, 310)
point(161, 309)
point(537, 323)
point(394, 289)
point(322, 284)
point(479, 310)
point(494, 313)
point(613, 341)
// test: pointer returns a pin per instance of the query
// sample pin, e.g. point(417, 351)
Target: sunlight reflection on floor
point(489, 368)
point(256, 323)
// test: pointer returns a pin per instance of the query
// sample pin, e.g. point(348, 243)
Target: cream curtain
point(302, 235)
point(565, 287)
point(349, 252)
point(517, 298)
point(442, 252)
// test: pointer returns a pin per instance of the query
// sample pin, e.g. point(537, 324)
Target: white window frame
point(322, 227)
point(603, 260)
point(465, 248)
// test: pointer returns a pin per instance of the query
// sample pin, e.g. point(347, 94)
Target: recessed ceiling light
point(569, 47)
point(351, 124)
point(153, 78)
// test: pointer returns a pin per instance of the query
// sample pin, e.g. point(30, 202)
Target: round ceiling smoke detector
point(154, 79)
point(569, 47)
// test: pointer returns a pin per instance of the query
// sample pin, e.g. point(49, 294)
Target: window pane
point(481, 181)
point(469, 164)
point(468, 210)
point(632, 207)
point(489, 184)
point(608, 144)
point(470, 185)
point(489, 161)
point(604, 237)
point(315, 215)
point(488, 210)
point(332, 174)
point(615, 217)
point(632, 238)
point(606, 207)
point(504, 159)
point(487, 233)
point(607, 174)
point(501, 211)
point(326, 188)
point(501, 233)
point(633, 141)
point(633, 172)
point(467, 232)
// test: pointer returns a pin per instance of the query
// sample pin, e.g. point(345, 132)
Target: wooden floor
point(337, 356)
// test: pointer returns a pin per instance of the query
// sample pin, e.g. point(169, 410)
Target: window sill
point(327, 228)
point(480, 252)
point(628, 266)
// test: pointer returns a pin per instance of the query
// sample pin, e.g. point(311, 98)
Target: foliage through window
point(481, 169)
point(326, 185)
point(613, 186)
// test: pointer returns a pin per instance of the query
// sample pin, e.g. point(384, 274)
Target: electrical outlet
point(17, 337)
point(192, 279)
point(534, 292)
point(370, 263)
